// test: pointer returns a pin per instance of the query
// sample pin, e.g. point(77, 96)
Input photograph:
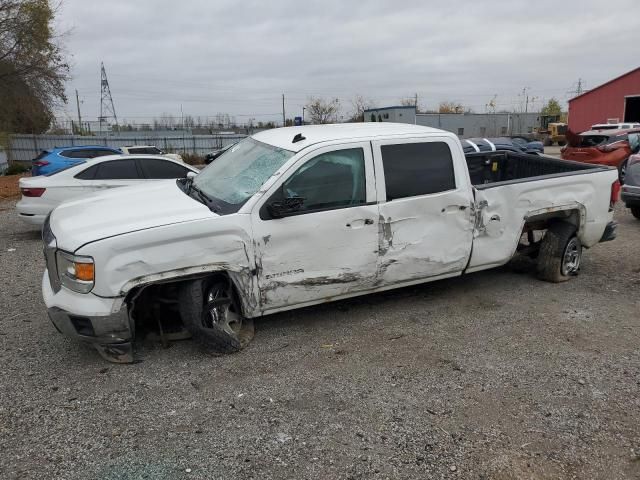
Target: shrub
point(15, 169)
point(192, 158)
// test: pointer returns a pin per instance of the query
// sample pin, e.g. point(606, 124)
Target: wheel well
point(536, 225)
point(154, 306)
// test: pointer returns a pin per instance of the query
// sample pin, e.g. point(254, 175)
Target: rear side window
point(100, 153)
point(145, 150)
point(156, 169)
point(88, 173)
point(85, 153)
point(413, 169)
point(117, 170)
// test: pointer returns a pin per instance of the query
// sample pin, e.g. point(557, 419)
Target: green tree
point(32, 66)
point(551, 108)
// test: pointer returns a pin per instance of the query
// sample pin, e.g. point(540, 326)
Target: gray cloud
point(238, 57)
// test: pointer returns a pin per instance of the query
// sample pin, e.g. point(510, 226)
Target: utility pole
point(78, 105)
point(284, 118)
point(415, 103)
point(303, 109)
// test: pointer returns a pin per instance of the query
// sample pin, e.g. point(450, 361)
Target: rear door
point(426, 227)
point(327, 245)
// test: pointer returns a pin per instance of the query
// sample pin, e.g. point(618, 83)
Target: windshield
point(239, 172)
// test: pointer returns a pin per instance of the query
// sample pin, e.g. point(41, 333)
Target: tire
point(635, 211)
point(560, 253)
point(211, 312)
point(622, 171)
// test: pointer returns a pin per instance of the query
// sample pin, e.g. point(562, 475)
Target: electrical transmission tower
point(107, 110)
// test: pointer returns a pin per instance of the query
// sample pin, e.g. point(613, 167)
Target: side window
point(412, 169)
point(330, 180)
point(156, 169)
point(100, 153)
point(88, 173)
point(117, 170)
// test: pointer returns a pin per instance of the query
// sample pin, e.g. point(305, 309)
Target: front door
point(324, 243)
point(425, 209)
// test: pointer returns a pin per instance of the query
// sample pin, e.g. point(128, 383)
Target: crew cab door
point(321, 241)
point(425, 197)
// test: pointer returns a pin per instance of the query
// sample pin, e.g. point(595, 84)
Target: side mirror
point(191, 174)
point(634, 142)
point(285, 207)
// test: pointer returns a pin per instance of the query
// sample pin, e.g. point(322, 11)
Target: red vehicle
point(602, 147)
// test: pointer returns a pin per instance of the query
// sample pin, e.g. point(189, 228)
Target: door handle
point(359, 223)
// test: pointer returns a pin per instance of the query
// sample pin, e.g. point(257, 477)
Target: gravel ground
point(492, 376)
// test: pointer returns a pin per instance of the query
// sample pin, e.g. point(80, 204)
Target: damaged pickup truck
point(298, 216)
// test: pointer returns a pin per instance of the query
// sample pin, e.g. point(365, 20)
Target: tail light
point(615, 193)
point(41, 163)
point(32, 192)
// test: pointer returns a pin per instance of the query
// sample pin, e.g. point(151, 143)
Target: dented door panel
point(427, 235)
point(315, 256)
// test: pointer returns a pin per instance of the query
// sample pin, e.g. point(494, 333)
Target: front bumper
point(102, 322)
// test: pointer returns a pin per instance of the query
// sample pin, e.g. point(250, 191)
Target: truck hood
point(123, 210)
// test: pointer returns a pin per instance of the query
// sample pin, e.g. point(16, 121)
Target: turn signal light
point(84, 271)
point(32, 192)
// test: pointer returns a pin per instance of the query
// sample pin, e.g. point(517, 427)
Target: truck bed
point(489, 169)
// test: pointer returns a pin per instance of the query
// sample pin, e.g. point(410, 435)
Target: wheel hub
point(571, 257)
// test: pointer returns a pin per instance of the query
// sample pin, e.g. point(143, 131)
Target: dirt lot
point(491, 376)
point(9, 186)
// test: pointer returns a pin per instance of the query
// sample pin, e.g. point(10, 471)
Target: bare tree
point(358, 105)
point(323, 111)
point(450, 107)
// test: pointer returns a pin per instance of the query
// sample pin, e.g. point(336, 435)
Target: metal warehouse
point(465, 125)
point(616, 101)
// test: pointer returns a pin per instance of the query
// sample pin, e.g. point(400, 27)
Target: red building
point(616, 101)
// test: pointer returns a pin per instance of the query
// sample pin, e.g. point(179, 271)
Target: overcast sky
point(238, 57)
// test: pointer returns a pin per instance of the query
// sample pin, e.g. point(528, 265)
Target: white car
point(43, 193)
point(293, 217)
point(148, 150)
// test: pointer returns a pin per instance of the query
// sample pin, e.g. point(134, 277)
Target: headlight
point(76, 273)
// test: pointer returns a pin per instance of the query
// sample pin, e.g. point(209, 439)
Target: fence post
point(35, 143)
point(195, 152)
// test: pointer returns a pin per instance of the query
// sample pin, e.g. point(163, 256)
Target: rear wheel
point(211, 313)
point(635, 211)
point(560, 253)
point(622, 171)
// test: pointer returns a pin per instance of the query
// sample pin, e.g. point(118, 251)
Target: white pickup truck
point(298, 216)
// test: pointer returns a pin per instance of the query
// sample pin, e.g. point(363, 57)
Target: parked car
point(148, 150)
point(528, 145)
point(630, 194)
point(50, 161)
point(211, 156)
point(299, 216)
point(471, 145)
point(42, 194)
point(600, 147)
point(614, 126)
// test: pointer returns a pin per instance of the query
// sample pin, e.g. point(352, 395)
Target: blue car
point(50, 161)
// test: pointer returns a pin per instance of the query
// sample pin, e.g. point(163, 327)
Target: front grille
point(49, 249)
